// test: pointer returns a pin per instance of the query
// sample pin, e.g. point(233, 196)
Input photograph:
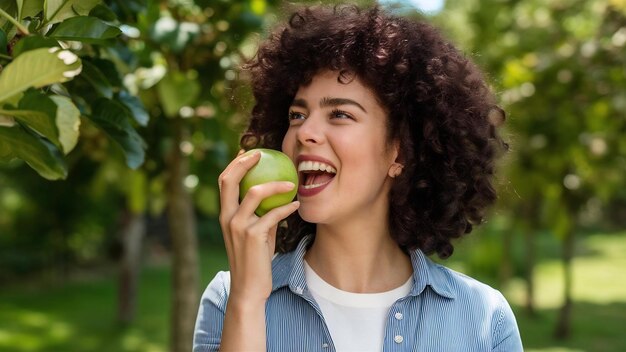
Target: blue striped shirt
point(444, 311)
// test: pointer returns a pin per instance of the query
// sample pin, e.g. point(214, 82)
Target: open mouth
point(315, 174)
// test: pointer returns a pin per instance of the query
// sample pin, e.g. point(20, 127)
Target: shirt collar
point(428, 273)
point(288, 270)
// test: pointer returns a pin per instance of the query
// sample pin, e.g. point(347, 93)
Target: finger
point(274, 216)
point(229, 167)
point(257, 193)
point(229, 182)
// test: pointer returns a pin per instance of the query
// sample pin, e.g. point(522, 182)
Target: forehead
point(334, 84)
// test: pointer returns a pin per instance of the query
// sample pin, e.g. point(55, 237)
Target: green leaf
point(3, 42)
point(13, 101)
point(54, 117)
point(10, 7)
point(92, 74)
point(85, 29)
point(67, 122)
point(134, 104)
point(37, 120)
point(59, 10)
point(37, 111)
point(29, 8)
point(112, 117)
point(32, 42)
point(38, 68)
point(177, 90)
point(103, 12)
point(109, 70)
point(41, 155)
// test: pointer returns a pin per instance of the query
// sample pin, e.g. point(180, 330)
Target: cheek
point(366, 157)
point(364, 146)
point(289, 142)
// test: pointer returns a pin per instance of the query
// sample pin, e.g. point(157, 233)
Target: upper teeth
point(316, 166)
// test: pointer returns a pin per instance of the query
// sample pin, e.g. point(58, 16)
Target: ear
point(396, 167)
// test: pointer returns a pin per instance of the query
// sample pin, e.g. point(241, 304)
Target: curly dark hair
point(440, 109)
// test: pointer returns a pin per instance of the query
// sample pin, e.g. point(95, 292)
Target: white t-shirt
point(356, 320)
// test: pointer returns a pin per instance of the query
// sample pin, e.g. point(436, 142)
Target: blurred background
point(108, 208)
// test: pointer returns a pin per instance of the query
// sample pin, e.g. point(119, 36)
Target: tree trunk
point(132, 234)
point(182, 225)
point(563, 325)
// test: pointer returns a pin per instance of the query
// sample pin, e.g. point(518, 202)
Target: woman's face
point(337, 139)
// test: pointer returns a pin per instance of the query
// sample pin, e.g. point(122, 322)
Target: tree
point(558, 67)
point(52, 51)
point(180, 57)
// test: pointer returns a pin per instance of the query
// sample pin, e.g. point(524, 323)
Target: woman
point(393, 133)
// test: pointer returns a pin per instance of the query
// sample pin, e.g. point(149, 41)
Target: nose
point(311, 131)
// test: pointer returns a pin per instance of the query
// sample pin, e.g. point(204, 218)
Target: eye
point(339, 114)
point(294, 115)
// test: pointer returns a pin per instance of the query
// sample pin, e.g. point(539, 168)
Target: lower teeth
point(313, 186)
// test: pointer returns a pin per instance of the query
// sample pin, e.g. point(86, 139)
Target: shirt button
point(398, 316)
point(398, 339)
point(324, 345)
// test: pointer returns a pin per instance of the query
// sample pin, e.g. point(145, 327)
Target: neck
point(362, 258)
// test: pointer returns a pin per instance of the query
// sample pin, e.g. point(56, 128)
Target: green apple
point(272, 166)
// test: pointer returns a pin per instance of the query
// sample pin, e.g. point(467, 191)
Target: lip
point(302, 192)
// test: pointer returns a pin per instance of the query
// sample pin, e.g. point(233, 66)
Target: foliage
point(559, 68)
point(176, 58)
point(58, 68)
point(157, 65)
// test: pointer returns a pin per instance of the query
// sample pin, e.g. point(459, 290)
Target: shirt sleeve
point(506, 333)
point(210, 321)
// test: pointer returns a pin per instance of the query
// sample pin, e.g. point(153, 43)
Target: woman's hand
point(250, 240)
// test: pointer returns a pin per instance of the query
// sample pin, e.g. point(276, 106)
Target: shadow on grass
point(81, 316)
point(595, 327)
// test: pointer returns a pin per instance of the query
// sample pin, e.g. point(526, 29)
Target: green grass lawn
point(599, 293)
point(80, 315)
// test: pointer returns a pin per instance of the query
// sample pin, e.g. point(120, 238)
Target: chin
point(310, 215)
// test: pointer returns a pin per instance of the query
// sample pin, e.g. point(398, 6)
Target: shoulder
point(216, 293)
point(468, 295)
point(478, 300)
point(463, 287)
point(210, 320)
point(454, 291)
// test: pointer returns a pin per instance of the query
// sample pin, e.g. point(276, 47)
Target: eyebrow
point(327, 101)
